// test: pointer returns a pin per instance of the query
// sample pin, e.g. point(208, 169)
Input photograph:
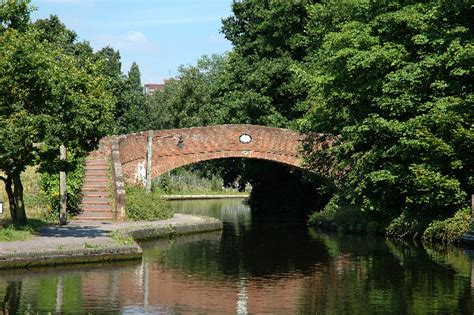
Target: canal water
point(254, 266)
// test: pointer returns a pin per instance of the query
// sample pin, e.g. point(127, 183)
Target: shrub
point(50, 185)
point(450, 230)
point(404, 226)
point(346, 218)
point(140, 206)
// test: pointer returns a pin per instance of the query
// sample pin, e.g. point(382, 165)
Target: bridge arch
point(179, 147)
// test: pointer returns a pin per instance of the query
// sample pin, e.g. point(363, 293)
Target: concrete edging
point(105, 251)
point(150, 232)
point(72, 256)
point(203, 197)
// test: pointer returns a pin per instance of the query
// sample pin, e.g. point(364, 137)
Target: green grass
point(204, 192)
point(92, 246)
point(183, 181)
point(36, 203)
point(36, 209)
point(9, 234)
point(121, 238)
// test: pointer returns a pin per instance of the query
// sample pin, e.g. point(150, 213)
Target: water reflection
point(254, 266)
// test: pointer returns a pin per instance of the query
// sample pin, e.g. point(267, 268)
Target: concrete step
point(96, 185)
point(95, 207)
point(96, 180)
point(95, 194)
point(94, 214)
point(98, 219)
point(96, 168)
point(95, 201)
point(97, 172)
point(96, 176)
point(97, 161)
point(90, 187)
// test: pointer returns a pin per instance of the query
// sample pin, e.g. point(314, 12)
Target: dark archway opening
point(278, 190)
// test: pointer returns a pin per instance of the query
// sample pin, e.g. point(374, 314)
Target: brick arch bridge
point(171, 149)
point(179, 147)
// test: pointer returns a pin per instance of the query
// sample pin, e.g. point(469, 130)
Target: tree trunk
point(11, 199)
point(19, 203)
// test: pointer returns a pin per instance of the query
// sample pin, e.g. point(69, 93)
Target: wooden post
point(472, 207)
point(149, 156)
point(62, 189)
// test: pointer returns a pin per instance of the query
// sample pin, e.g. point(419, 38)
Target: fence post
point(62, 188)
point(149, 157)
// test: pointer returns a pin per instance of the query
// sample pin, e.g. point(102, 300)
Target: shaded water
point(254, 266)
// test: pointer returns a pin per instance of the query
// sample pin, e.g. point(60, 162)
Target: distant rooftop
point(151, 88)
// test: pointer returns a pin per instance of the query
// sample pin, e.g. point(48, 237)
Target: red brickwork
point(179, 147)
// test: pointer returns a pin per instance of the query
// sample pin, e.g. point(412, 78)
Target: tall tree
point(133, 102)
point(47, 98)
point(394, 79)
point(111, 69)
point(258, 85)
point(187, 100)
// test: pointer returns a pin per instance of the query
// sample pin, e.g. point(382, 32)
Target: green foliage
point(258, 85)
point(48, 96)
point(141, 206)
point(406, 226)
point(191, 181)
point(14, 14)
point(346, 218)
point(165, 183)
point(449, 230)
point(187, 100)
point(74, 180)
point(394, 81)
point(132, 98)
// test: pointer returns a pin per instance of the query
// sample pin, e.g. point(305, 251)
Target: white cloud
point(130, 41)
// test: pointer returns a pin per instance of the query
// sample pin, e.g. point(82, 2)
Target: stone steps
point(96, 203)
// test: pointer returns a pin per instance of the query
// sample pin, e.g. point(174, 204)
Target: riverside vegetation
point(391, 81)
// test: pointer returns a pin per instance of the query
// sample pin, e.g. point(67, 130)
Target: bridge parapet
point(178, 147)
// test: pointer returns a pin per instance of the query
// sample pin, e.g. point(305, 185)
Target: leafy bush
point(346, 218)
point(50, 185)
point(451, 229)
point(140, 206)
point(404, 226)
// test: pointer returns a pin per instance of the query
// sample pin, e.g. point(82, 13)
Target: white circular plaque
point(245, 138)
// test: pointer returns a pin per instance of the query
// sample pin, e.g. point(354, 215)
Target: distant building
point(151, 88)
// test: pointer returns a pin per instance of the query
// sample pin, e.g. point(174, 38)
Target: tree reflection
point(11, 301)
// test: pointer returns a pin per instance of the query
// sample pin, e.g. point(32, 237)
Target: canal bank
point(204, 197)
point(88, 242)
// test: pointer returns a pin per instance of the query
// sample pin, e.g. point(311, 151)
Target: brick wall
point(179, 147)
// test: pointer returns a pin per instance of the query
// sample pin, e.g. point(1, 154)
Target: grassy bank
point(35, 199)
point(8, 233)
point(187, 182)
point(36, 205)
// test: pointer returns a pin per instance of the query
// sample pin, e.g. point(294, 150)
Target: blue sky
point(159, 35)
